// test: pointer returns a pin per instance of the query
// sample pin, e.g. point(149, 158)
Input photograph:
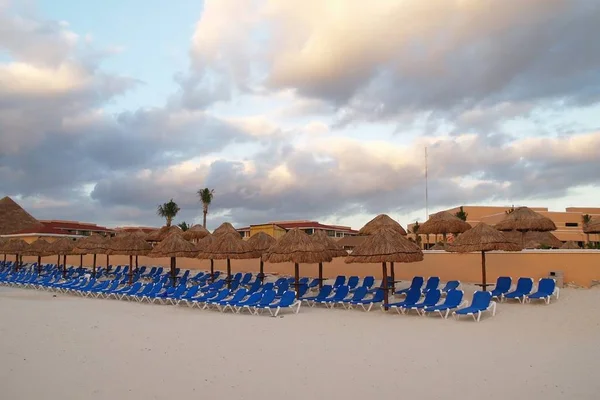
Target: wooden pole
point(16, 263)
point(297, 276)
point(483, 277)
point(21, 261)
point(212, 270)
point(107, 263)
point(81, 261)
point(58, 263)
point(64, 264)
point(262, 271)
point(385, 286)
point(130, 269)
point(173, 267)
point(94, 266)
point(39, 265)
point(136, 264)
point(393, 273)
point(228, 273)
point(320, 275)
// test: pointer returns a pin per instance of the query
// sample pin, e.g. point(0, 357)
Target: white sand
point(67, 347)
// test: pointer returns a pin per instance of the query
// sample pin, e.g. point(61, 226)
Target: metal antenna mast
point(426, 188)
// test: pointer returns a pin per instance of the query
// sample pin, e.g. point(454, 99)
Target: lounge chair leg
point(298, 308)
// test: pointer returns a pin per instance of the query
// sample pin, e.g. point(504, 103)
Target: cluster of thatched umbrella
point(443, 223)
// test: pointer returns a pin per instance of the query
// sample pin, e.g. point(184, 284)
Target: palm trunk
point(204, 218)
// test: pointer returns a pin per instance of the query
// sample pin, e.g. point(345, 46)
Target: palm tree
point(168, 211)
point(415, 230)
point(184, 226)
point(461, 214)
point(586, 218)
point(206, 196)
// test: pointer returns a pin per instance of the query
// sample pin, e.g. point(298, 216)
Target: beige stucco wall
point(579, 266)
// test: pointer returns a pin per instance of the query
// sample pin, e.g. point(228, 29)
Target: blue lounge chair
point(359, 294)
point(339, 281)
point(431, 299)
point(433, 282)
point(417, 283)
point(238, 296)
point(340, 294)
point(288, 300)
point(268, 298)
point(454, 299)
point(503, 284)
point(352, 282)
point(524, 287)
point(376, 298)
point(176, 297)
point(323, 293)
point(124, 291)
point(545, 290)
point(247, 304)
point(482, 302)
point(221, 295)
point(193, 301)
point(367, 283)
point(451, 285)
point(412, 297)
point(114, 284)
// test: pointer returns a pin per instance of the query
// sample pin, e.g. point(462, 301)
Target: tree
point(461, 214)
point(206, 195)
point(415, 230)
point(168, 211)
point(586, 218)
point(184, 226)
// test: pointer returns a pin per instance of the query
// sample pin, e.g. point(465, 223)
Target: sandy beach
point(68, 347)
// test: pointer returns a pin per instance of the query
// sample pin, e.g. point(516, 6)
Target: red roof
point(306, 225)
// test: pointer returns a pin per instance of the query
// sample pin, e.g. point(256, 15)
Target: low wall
point(580, 267)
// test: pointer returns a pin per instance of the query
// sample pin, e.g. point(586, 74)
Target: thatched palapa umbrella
point(16, 247)
point(482, 238)
point(62, 247)
point(94, 244)
point(387, 245)
point(40, 248)
point(524, 219)
point(225, 227)
point(530, 238)
point(443, 223)
point(593, 226)
point(174, 246)
point(196, 233)
point(203, 245)
point(334, 249)
point(228, 246)
point(130, 245)
point(162, 233)
point(2, 243)
point(438, 246)
point(570, 245)
point(297, 247)
point(260, 243)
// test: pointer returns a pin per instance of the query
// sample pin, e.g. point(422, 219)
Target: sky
point(297, 109)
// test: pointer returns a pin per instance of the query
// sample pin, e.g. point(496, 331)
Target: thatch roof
point(593, 226)
point(130, 245)
point(261, 242)
point(15, 246)
point(203, 244)
point(541, 238)
point(532, 244)
point(63, 247)
point(13, 218)
point(442, 223)
point(39, 248)
point(228, 245)
point(379, 222)
point(297, 247)
point(174, 246)
point(387, 245)
point(525, 219)
point(196, 232)
point(162, 233)
point(438, 246)
point(482, 238)
point(570, 245)
point(225, 227)
point(94, 244)
point(331, 245)
point(351, 241)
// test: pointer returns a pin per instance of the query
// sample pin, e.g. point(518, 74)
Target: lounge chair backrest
point(341, 292)
point(432, 297)
point(417, 282)
point(369, 281)
point(412, 296)
point(359, 293)
point(524, 285)
point(547, 285)
point(432, 283)
point(378, 296)
point(255, 286)
point(239, 295)
point(234, 285)
point(246, 278)
point(353, 282)
point(192, 291)
point(267, 298)
point(287, 299)
point(324, 292)
point(339, 281)
point(302, 289)
point(254, 298)
point(223, 293)
point(503, 284)
point(454, 298)
point(280, 281)
point(237, 276)
point(451, 285)
point(481, 300)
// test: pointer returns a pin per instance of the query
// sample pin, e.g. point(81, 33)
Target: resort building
point(15, 222)
point(279, 228)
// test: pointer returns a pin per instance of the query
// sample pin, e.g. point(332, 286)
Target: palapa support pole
point(16, 263)
point(94, 266)
point(212, 270)
point(297, 280)
point(64, 265)
point(173, 267)
point(385, 286)
point(320, 275)
point(228, 273)
point(137, 267)
point(58, 263)
point(81, 261)
point(393, 274)
point(483, 277)
point(130, 269)
point(21, 261)
point(39, 265)
point(261, 274)
point(107, 263)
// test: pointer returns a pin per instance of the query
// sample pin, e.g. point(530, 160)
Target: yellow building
point(277, 229)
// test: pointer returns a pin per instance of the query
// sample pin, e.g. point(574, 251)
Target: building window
point(331, 233)
point(309, 231)
point(572, 224)
point(339, 234)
